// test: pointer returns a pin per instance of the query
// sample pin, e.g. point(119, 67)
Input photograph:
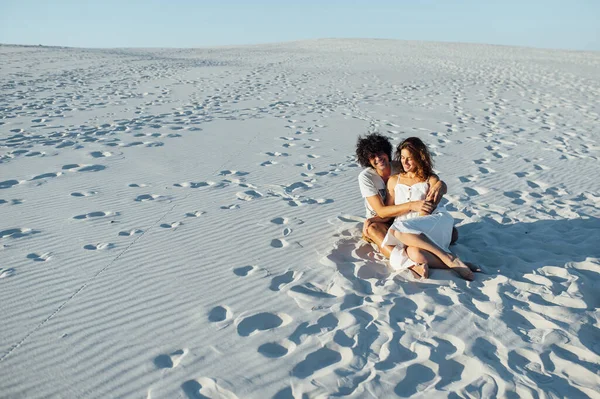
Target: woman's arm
point(391, 193)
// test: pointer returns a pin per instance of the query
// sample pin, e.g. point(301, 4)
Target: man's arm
point(390, 210)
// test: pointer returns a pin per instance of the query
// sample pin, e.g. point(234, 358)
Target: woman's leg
point(447, 258)
point(421, 241)
point(419, 255)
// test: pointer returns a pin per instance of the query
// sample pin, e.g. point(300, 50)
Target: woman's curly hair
point(420, 154)
point(371, 145)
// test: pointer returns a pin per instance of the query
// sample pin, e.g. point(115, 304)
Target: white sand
point(185, 223)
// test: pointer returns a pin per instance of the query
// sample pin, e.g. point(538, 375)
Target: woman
point(420, 236)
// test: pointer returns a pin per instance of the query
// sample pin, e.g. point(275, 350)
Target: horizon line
point(293, 41)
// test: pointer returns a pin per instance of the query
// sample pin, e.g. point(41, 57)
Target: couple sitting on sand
point(401, 199)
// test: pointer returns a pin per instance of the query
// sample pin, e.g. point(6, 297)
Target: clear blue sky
point(570, 24)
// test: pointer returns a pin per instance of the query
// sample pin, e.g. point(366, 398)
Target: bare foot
point(462, 269)
point(420, 270)
point(473, 267)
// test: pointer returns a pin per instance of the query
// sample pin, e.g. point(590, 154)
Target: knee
point(374, 230)
point(416, 255)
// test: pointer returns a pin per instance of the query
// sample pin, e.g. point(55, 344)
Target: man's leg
point(376, 232)
point(454, 235)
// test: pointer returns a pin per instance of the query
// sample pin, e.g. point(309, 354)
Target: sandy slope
point(185, 223)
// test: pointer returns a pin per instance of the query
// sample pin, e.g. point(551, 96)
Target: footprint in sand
point(277, 243)
point(499, 155)
point(39, 258)
point(283, 280)
point(276, 349)
point(279, 220)
point(297, 185)
point(467, 179)
point(485, 171)
point(306, 165)
point(264, 321)
point(232, 173)
point(9, 183)
point(206, 388)
point(248, 195)
point(541, 167)
point(318, 201)
point(516, 196)
point(536, 184)
point(277, 154)
point(46, 176)
point(83, 194)
point(131, 232)
point(4, 273)
point(522, 174)
point(101, 154)
point(171, 360)
point(315, 361)
point(244, 270)
point(93, 215)
point(416, 380)
point(147, 197)
point(36, 153)
point(91, 168)
point(471, 192)
point(172, 225)
point(219, 314)
point(99, 246)
point(194, 214)
point(195, 184)
point(17, 233)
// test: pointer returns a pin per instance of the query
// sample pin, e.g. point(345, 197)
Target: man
point(374, 153)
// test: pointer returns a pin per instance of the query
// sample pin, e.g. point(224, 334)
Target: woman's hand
point(423, 207)
point(435, 193)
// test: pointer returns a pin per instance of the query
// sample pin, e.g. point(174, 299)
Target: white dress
point(437, 226)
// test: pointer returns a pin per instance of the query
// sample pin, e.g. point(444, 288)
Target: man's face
point(379, 161)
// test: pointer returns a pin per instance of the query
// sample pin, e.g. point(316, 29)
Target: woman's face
point(408, 161)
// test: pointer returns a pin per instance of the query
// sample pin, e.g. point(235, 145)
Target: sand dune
point(186, 222)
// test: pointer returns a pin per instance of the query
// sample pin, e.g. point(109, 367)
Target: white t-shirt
point(371, 184)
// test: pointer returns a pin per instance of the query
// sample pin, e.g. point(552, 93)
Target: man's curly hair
point(371, 145)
